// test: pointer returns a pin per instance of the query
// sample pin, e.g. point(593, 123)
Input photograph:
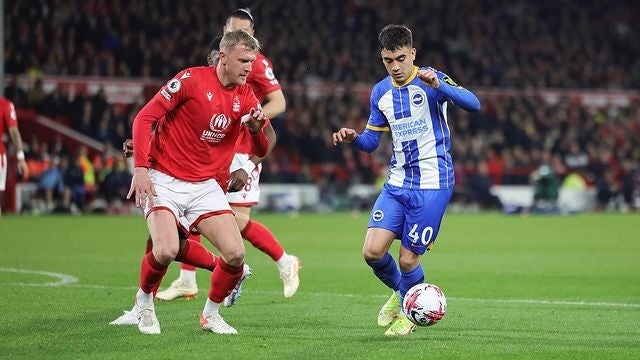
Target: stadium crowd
point(521, 45)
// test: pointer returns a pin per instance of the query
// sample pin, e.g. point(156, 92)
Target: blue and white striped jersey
point(416, 115)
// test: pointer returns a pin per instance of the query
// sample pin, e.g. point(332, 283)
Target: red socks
point(193, 255)
point(187, 266)
point(262, 239)
point(223, 279)
point(151, 273)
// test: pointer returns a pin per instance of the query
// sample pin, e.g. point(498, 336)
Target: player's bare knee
point(234, 258)
point(164, 255)
point(408, 263)
point(372, 254)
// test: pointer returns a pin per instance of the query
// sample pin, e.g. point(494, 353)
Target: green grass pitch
point(538, 287)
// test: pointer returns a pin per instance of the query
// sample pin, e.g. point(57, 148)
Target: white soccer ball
point(424, 304)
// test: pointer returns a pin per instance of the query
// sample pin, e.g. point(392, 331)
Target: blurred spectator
point(115, 187)
point(607, 192)
point(15, 93)
point(479, 185)
point(50, 187)
point(546, 190)
point(74, 186)
point(86, 165)
point(36, 95)
point(54, 104)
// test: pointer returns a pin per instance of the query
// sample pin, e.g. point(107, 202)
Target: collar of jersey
point(410, 79)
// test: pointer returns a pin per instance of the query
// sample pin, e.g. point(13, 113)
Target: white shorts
point(190, 202)
point(3, 171)
point(250, 193)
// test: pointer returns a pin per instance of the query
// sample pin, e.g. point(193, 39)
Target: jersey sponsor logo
point(186, 75)
point(166, 95)
point(449, 81)
point(377, 215)
point(174, 85)
point(417, 99)
point(410, 128)
point(219, 123)
point(209, 95)
point(236, 104)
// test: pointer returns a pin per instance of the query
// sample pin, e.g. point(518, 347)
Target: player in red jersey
point(9, 121)
point(198, 116)
point(244, 190)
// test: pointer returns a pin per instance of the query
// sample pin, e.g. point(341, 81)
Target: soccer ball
point(424, 304)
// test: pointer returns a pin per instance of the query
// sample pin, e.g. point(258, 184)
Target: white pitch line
point(549, 302)
point(71, 281)
point(63, 279)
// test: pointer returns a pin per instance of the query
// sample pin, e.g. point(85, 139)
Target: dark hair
point(242, 13)
point(215, 44)
point(393, 37)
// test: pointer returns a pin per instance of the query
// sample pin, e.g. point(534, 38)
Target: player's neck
point(224, 80)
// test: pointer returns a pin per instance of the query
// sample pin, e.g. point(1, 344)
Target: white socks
point(142, 298)
point(210, 308)
point(188, 277)
point(284, 261)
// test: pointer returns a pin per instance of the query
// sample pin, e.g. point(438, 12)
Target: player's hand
point(142, 187)
point(237, 180)
point(127, 148)
point(429, 78)
point(256, 120)
point(344, 135)
point(23, 169)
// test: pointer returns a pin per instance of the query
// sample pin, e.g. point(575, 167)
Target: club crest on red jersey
point(236, 104)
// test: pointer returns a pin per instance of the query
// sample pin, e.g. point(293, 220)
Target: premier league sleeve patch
point(173, 86)
point(450, 81)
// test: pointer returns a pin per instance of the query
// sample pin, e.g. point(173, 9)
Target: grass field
point(517, 288)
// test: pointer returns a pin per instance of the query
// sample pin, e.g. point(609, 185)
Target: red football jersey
point(261, 78)
point(263, 81)
point(197, 124)
point(8, 119)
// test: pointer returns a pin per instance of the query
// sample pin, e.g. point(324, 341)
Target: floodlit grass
point(518, 287)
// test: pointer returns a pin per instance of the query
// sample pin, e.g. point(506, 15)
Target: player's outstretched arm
point(454, 92)
point(345, 135)
point(367, 141)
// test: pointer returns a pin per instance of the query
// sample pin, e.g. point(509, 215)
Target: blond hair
point(238, 37)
